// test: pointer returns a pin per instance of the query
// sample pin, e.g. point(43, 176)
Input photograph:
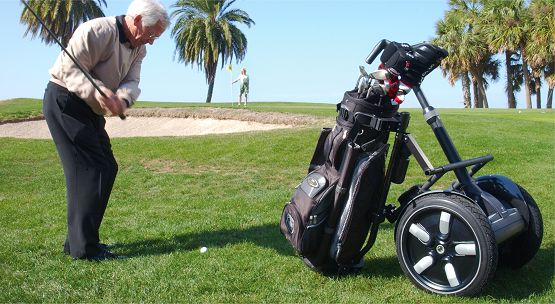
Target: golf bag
point(329, 217)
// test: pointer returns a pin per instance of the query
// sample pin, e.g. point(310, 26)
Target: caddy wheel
point(445, 244)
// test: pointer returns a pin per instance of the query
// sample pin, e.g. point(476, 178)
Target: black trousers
point(89, 166)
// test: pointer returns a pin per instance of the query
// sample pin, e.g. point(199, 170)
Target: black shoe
point(105, 255)
point(106, 246)
point(100, 246)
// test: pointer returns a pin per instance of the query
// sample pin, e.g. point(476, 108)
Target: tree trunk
point(549, 102)
point(483, 96)
point(510, 91)
point(466, 90)
point(211, 73)
point(210, 89)
point(538, 83)
point(526, 74)
point(476, 93)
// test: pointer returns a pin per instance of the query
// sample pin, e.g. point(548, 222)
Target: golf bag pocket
point(362, 203)
point(319, 157)
point(304, 217)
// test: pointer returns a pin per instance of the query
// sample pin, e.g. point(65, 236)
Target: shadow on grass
point(518, 284)
point(534, 278)
point(265, 236)
point(386, 267)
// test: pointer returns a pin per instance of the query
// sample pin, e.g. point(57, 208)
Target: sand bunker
point(146, 127)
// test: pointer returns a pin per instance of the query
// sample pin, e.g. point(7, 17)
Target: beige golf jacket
point(101, 48)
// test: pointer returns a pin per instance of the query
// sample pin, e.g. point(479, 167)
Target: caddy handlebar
point(378, 48)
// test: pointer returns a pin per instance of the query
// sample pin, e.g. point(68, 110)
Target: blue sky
point(300, 51)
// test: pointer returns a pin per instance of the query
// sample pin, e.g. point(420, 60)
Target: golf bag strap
point(376, 220)
point(372, 121)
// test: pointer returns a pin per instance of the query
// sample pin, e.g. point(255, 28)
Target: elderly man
point(111, 49)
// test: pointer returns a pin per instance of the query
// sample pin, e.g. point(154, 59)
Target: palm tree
point(205, 31)
point(489, 69)
point(540, 46)
point(449, 34)
point(468, 54)
point(505, 25)
point(61, 16)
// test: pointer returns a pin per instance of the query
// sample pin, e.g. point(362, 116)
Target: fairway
point(174, 195)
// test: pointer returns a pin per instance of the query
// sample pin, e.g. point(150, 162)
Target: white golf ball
point(203, 249)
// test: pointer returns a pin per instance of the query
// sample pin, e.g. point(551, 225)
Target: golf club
point(380, 75)
point(89, 77)
point(362, 71)
point(363, 81)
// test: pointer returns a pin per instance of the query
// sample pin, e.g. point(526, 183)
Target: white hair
point(151, 12)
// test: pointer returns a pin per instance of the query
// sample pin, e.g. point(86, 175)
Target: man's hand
point(110, 103)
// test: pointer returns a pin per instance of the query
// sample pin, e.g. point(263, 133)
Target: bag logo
point(290, 223)
point(312, 182)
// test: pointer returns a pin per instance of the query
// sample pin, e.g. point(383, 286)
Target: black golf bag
point(337, 204)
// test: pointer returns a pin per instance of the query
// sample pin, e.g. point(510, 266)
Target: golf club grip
point(121, 116)
point(87, 75)
point(376, 51)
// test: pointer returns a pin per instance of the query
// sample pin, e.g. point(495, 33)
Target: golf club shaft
point(89, 77)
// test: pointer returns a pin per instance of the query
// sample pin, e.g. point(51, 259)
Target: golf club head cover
point(412, 63)
point(425, 58)
point(395, 57)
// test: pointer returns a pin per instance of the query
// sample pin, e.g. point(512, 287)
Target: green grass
point(174, 195)
point(20, 108)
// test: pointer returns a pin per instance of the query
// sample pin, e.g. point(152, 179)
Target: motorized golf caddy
point(448, 241)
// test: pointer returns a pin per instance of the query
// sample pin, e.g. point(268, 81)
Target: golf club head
point(358, 80)
point(362, 71)
point(368, 92)
point(380, 75)
point(362, 84)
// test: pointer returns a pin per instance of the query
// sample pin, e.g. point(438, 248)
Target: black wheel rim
point(440, 249)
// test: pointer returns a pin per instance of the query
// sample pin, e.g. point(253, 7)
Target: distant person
point(112, 50)
point(244, 88)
